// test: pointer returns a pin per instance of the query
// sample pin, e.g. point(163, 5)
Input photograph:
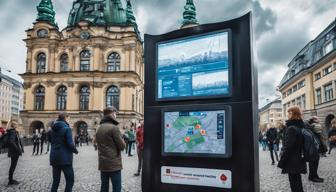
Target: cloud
point(282, 28)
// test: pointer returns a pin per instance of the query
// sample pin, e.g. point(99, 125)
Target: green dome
point(101, 13)
point(46, 12)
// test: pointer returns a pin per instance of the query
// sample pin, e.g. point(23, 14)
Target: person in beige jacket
point(110, 144)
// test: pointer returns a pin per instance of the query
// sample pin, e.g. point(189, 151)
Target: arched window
point(84, 94)
point(39, 98)
point(85, 60)
point(82, 129)
point(61, 98)
point(112, 97)
point(41, 63)
point(64, 61)
point(113, 62)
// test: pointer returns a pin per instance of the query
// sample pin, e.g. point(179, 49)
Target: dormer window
point(42, 33)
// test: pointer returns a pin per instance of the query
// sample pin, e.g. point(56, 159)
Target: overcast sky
point(282, 28)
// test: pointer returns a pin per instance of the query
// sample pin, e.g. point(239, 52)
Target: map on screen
point(197, 132)
point(194, 67)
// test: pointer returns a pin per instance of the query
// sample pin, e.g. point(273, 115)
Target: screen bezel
point(178, 98)
point(191, 108)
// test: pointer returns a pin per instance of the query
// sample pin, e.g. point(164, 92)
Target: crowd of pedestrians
point(108, 141)
point(296, 144)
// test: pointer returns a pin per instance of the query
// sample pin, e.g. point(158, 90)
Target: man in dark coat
point(110, 144)
point(291, 161)
point(272, 136)
point(61, 153)
point(15, 149)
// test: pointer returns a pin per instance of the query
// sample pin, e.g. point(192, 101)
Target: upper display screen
point(194, 67)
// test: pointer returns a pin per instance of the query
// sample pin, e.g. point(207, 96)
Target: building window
point(317, 76)
point(41, 63)
point(295, 88)
point(334, 66)
point(298, 102)
point(303, 99)
point(301, 84)
point(64, 61)
point(327, 70)
point(39, 98)
point(329, 47)
point(318, 96)
point(112, 97)
point(293, 102)
point(61, 98)
point(113, 62)
point(84, 97)
point(85, 60)
point(41, 33)
point(328, 92)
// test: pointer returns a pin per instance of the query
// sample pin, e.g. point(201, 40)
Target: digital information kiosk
point(201, 110)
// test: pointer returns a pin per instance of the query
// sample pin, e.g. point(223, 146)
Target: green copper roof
point(189, 14)
point(101, 13)
point(46, 12)
point(129, 14)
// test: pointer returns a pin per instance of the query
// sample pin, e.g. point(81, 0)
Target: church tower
point(189, 15)
point(96, 61)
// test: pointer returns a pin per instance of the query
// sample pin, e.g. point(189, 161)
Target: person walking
point(140, 146)
point(110, 144)
point(332, 136)
point(131, 140)
point(43, 139)
point(36, 141)
point(291, 161)
point(2, 133)
point(61, 153)
point(272, 136)
point(15, 150)
point(316, 128)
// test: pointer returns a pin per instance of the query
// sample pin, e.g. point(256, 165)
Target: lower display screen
point(194, 132)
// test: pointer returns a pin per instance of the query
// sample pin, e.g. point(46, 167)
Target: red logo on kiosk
point(223, 178)
point(187, 139)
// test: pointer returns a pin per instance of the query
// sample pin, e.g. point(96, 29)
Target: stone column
point(51, 58)
point(71, 66)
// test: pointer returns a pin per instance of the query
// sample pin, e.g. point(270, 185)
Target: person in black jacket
point(272, 136)
point(291, 161)
point(36, 141)
point(43, 139)
point(15, 149)
point(61, 154)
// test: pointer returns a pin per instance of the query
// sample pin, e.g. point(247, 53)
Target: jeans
point(130, 144)
point(14, 161)
point(140, 159)
point(295, 182)
point(36, 148)
point(272, 156)
point(42, 143)
point(313, 166)
point(115, 179)
point(68, 174)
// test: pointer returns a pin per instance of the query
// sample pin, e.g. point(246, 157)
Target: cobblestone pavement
point(271, 179)
point(34, 174)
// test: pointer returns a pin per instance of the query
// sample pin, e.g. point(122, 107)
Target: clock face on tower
point(42, 33)
point(85, 35)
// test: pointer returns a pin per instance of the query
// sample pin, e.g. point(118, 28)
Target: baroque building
point(94, 62)
point(310, 81)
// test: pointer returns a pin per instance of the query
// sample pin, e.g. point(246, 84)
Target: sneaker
point(137, 174)
point(273, 163)
point(316, 180)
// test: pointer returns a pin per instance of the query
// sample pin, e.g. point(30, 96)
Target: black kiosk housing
point(240, 105)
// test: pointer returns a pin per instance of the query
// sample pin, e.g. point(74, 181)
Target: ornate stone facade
point(96, 57)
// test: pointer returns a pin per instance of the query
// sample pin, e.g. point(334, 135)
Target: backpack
point(311, 145)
